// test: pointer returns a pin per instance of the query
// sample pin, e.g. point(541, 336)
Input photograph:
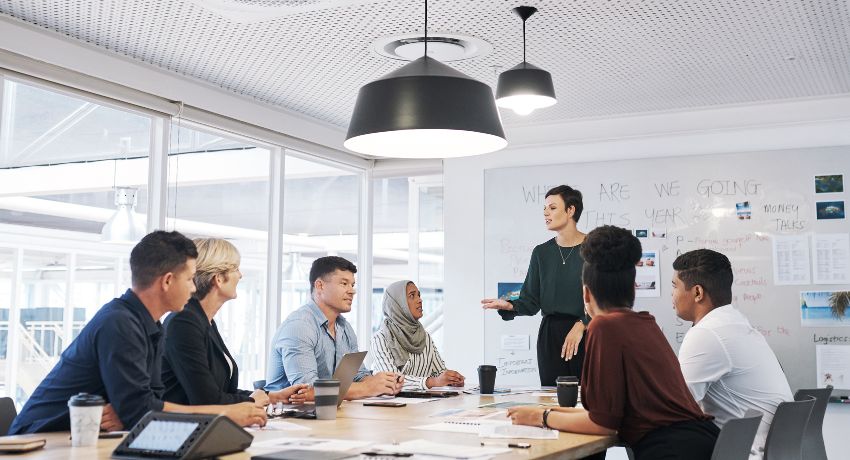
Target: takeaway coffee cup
point(86, 411)
point(327, 394)
point(567, 390)
point(487, 378)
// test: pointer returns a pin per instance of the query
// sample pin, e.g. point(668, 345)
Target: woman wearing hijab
point(403, 345)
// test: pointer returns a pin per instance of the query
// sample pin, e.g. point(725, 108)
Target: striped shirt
point(418, 367)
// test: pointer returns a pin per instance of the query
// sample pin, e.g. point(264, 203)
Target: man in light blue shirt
point(313, 339)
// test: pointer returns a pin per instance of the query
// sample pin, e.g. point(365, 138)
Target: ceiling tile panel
point(607, 57)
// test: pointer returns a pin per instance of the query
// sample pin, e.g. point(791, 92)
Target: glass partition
point(219, 188)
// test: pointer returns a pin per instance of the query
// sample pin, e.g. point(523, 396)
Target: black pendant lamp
point(425, 109)
point(525, 87)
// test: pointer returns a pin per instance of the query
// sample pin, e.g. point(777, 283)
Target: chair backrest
point(813, 447)
point(785, 438)
point(8, 412)
point(737, 436)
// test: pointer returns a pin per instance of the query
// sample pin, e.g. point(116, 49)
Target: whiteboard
point(688, 203)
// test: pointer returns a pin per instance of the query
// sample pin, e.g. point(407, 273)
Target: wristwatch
point(545, 418)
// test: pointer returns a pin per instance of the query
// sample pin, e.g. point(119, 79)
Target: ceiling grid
point(607, 57)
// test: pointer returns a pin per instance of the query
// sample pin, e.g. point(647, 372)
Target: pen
point(515, 445)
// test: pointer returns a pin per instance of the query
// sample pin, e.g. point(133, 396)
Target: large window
point(408, 244)
point(61, 157)
point(321, 216)
point(219, 188)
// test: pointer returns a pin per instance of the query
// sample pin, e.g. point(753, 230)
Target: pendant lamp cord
point(523, 40)
point(426, 28)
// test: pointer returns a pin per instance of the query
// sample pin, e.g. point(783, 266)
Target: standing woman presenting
point(553, 285)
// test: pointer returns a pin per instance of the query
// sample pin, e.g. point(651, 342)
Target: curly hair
point(610, 254)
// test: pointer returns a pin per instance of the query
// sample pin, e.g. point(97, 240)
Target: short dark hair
point(571, 197)
point(610, 254)
point(158, 253)
point(711, 270)
point(329, 264)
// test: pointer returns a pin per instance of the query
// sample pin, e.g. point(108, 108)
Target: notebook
point(426, 394)
point(21, 443)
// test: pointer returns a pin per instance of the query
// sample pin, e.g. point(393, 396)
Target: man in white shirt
point(727, 364)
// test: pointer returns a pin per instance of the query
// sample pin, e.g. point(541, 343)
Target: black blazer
point(194, 370)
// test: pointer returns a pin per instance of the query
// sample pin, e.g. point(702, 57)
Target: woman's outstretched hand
point(496, 304)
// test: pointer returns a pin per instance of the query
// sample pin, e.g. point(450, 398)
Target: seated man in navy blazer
point(118, 354)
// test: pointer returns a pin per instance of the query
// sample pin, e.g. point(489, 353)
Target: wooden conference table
point(377, 424)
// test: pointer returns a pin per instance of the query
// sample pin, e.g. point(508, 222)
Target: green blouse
point(552, 284)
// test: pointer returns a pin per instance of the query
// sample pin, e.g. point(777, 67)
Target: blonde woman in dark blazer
point(197, 367)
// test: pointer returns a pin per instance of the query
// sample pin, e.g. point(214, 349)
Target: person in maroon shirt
point(631, 381)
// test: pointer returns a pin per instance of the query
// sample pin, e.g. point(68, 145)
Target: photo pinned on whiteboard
point(743, 210)
point(830, 183)
point(641, 233)
point(830, 210)
point(648, 275)
point(825, 308)
point(509, 291)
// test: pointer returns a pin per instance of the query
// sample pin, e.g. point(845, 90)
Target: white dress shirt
point(730, 368)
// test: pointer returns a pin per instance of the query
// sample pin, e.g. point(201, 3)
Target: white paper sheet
point(791, 260)
point(310, 444)
point(831, 258)
point(421, 446)
point(278, 425)
point(474, 415)
point(515, 431)
point(833, 366)
point(460, 427)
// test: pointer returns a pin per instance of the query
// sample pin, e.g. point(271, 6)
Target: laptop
point(345, 373)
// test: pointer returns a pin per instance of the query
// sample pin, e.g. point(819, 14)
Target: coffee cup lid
point(324, 383)
point(86, 400)
point(487, 367)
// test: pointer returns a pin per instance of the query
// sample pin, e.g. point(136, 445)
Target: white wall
point(759, 127)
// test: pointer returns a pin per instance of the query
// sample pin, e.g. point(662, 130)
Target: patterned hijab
point(399, 324)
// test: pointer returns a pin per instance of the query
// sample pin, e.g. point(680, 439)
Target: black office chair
point(735, 439)
point(785, 438)
point(737, 436)
point(8, 412)
point(813, 447)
